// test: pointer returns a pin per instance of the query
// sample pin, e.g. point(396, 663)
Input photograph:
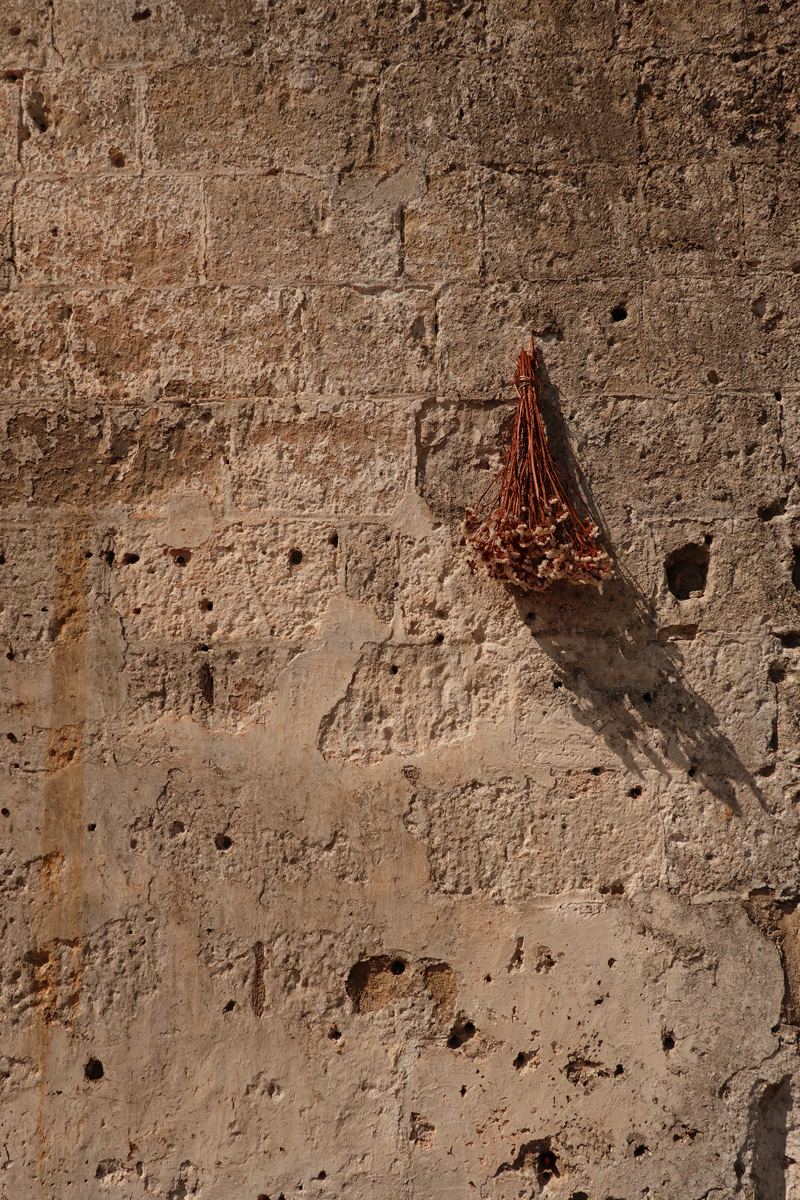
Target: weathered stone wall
point(329, 868)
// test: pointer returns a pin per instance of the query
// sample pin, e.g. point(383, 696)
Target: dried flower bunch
point(525, 528)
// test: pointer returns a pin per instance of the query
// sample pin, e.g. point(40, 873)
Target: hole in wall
point(394, 669)
point(6, 812)
point(460, 1033)
point(796, 567)
point(775, 508)
point(619, 313)
point(205, 605)
point(12, 738)
point(223, 842)
point(639, 1151)
point(790, 640)
point(668, 1040)
point(109, 556)
point(687, 571)
point(398, 967)
point(116, 156)
point(712, 377)
point(295, 557)
point(439, 638)
point(179, 555)
point(335, 1035)
point(130, 559)
point(91, 827)
point(619, 1069)
point(230, 1006)
point(94, 1069)
point(142, 15)
point(635, 791)
point(334, 540)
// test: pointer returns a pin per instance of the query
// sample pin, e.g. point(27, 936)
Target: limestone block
point(322, 461)
point(290, 229)
point(560, 26)
point(745, 337)
point(770, 220)
point(688, 217)
point(741, 105)
point(70, 122)
point(586, 350)
point(127, 30)
point(33, 339)
point(137, 345)
point(9, 126)
point(89, 457)
point(561, 223)
point(147, 233)
point(316, 118)
point(25, 34)
point(442, 231)
point(437, 113)
point(370, 341)
point(393, 31)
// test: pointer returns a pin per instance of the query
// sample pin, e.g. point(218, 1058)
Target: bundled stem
point(525, 527)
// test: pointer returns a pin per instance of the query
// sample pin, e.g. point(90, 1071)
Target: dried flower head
point(525, 527)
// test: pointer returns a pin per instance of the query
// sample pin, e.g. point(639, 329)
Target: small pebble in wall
point(525, 528)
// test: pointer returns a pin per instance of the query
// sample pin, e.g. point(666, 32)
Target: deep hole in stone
point(6, 812)
point(141, 15)
point(790, 640)
point(116, 156)
point(648, 697)
point(394, 669)
point(639, 1151)
point(206, 681)
point(334, 540)
point(668, 1040)
point(223, 842)
point(619, 1069)
point(635, 791)
point(796, 566)
point(469, 1029)
point(579, 1196)
point(295, 557)
point(12, 738)
point(611, 962)
point(687, 570)
point(91, 827)
point(398, 967)
point(454, 1041)
point(712, 377)
point(94, 1069)
point(519, 1061)
point(206, 605)
point(557, 683)
point(334, 1035)
point(2, 560)
point(463, 1089)
point(547, 1162)
point(619, 312)
point(230, 1006)
point(109, 557)
point(130, 559)
point(487, 979)
point(692, 772)
point(322, 1175)
point(775, 508)
point(708, 539)
point(439, 638)
point(597, 770)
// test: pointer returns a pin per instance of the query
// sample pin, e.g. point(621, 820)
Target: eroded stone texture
point(329, 867)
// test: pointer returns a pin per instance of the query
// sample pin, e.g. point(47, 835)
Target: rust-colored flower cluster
point(525, 528)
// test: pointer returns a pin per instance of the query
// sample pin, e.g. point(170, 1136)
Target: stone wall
point(331, 868)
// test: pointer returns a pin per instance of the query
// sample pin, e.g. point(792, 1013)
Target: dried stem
point(525, 527)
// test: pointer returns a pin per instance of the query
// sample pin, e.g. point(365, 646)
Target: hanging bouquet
point(525, 528)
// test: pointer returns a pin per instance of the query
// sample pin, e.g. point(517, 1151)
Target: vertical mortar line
point(481, 202)
point(202, 273)
point(141, 119)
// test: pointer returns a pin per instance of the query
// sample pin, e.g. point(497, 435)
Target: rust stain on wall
point(60, 899)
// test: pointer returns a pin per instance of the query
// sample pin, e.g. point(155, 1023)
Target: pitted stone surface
point(330, 868)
